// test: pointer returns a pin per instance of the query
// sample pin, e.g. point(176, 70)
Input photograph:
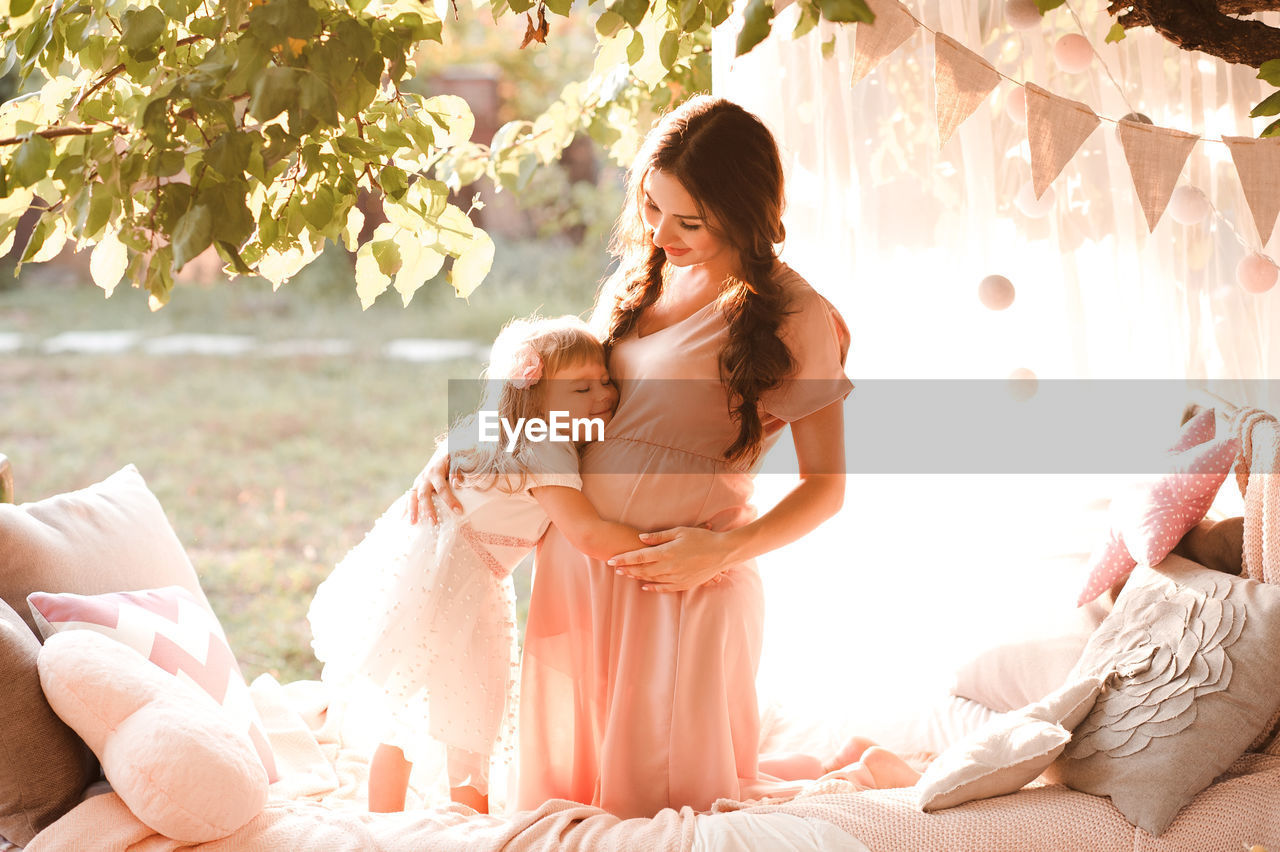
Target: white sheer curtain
point(917, 571)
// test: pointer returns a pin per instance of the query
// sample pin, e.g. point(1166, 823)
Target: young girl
point(426, 613)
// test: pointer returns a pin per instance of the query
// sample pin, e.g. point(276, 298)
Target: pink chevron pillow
point(172, 629)
point(1149, 520)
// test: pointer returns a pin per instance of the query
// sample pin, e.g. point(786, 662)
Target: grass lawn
point(269, 468)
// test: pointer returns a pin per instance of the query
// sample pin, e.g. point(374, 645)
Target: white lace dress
point(419, 620)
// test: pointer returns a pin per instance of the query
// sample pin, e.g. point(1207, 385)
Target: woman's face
point(676, 227)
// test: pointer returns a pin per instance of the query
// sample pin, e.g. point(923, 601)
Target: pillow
point(169, 752)
point(1014, 674)
point(175, 631)
point(105, 538)
point(1148, 519)
point(1215, 544)
point(1008, 752)
point(1199, 678)
point(44, 767)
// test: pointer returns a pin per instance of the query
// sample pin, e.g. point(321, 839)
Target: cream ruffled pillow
point(1199, 678)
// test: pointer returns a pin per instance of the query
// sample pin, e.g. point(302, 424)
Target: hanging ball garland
point(1032, 207)
point(1188, 206)
point(1022, 14)
point(1135, 117)
point(1023, 384)
point(1016, 105)
point(1073, 53)
point(996, 292)
point(1256, 273)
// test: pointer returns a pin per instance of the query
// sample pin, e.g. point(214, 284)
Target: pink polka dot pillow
point(1151, 517)
point(172, 629)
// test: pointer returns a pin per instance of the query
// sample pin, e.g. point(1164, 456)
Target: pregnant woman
point(638, 676)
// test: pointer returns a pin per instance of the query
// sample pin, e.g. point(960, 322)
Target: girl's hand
point(433, 481)
point(676, 560)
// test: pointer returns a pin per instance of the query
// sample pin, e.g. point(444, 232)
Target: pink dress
point(635, 701)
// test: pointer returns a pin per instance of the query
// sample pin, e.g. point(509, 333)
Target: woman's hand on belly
point(677, 559)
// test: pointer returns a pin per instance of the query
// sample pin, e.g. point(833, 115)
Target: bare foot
point(850, 753)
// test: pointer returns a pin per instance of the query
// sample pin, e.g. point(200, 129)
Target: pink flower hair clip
point(526, 368)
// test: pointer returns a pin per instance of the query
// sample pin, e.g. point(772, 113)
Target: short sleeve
point(553, 463)
point(818, 339)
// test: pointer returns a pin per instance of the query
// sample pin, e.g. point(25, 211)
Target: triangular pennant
point(962, 81)
point(1156, 156)
point(1258, 165)
point(1056, 128)
point(873, 42)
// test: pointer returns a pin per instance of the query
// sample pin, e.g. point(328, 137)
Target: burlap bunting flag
point(1258, 165)
point(962, 81)
point(1056, 128)
point(1156, 156)
point(873, 42)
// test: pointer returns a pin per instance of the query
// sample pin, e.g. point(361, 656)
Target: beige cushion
point(1017, 673)
point(1009, 751)
point(109, 537)
point(1198, 678)
point(44, 766)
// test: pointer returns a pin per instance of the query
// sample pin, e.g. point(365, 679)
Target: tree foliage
point(251, 126)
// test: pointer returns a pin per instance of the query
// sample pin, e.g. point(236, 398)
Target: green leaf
point(808, 20)
point(318, 99)
point(229, 253)
point(1269, 106)
point(631, 11)
point(829, 48)
point(387, 254)
point(30, 162)
point(757, 21)
point(1116, 33)
point(167, 163)
point(394, 182)
point(668, 49)
point(474, 264)
point(192, 235)
point(1272, 129)
point(1270, 71)
point(371, 282)
point(610, 22)
point(1048, 5)
point(18, 8)
point(318, 211)
point(273, 92)
point(559, 7)
point(142, 29)
point(846, 11)
point(635, 50)
point(108, 262)
point(100, 207)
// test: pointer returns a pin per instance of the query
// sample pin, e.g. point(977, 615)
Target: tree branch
point(1205, 25)
point(55, 132)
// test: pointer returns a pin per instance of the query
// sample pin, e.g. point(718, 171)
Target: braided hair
point(727, 160)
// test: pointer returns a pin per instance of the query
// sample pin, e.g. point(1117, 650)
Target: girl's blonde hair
point(558, 342)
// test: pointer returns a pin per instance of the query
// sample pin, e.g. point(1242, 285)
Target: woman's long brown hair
point(728, 161)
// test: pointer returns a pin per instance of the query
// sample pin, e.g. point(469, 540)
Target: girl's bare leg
point(388, 779)
point(851, 753)
point(790, 766)
point(880, 769)
point(471, 797)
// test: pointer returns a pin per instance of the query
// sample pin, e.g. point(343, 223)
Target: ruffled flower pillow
point(1198, 679)
point(1150, 518)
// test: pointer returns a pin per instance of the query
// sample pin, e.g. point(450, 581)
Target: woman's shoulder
point(799, 293)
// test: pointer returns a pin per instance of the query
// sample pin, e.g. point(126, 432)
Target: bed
point(112, 536)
